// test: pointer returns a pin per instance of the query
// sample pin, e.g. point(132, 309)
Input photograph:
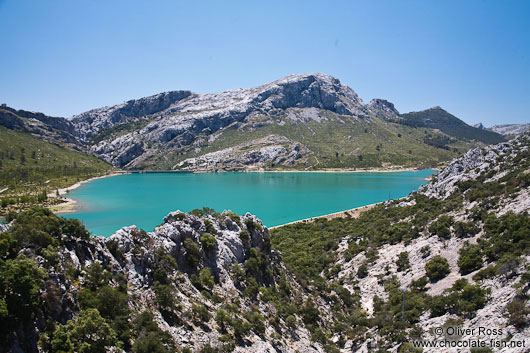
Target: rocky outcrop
point(270, 151)
point(207, 241)
point(382, 109)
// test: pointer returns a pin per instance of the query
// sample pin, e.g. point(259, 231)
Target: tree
point(470, 259)
point(437, 268)
point(403, 261)
point(192, 252)
point(206, 278)
point(87, 333)
point(222, 318)
point(208, 241)
point(20, 284)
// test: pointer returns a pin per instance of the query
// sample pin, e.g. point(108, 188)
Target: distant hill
point(437, 118)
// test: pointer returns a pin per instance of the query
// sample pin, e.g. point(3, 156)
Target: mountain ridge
point(315, 111)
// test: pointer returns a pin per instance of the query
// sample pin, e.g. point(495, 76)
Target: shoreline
point(69, 205)
point(353, 212)
point(360, 170)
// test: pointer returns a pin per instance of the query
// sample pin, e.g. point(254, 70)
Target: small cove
point(143, 199)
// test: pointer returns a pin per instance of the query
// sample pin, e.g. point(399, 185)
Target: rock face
point(382, 109)
point(272, 150)
point(178, 119)
point(510, 129)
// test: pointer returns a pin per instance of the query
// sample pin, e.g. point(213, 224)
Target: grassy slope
point(349, 137)
point(27, 162)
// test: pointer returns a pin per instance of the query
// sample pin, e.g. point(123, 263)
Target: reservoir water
point(105, 205)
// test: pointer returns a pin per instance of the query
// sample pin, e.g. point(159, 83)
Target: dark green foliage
point(462, 298)
point(244, 235)
point(20, 283)
point(362, 271)
point(470, 259)
point(486, 273)
point(149, 337)
point(163, 265)
point(257, 322)
point(204, 280)
point(87, 333)
point(517, 311)
point(165, 296)
point(200, 313)
point(208, 242)
point(403, 261)
point(192, 253)
point(441, 227)
point(437, 268)
point(465, 229)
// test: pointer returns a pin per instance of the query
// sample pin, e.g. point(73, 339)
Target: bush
point(517, 312)
point(192, 253)
point(470, 259)
point(437, 268)
point(208, 242)
point(290, 321)
point(362, 271)
point(200, 313)
point(206, 279)
point(244, 235)
point(442, 227)
point(403, 262)
point(465, 229)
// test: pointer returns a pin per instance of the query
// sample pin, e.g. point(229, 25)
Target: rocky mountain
point(452, 256)
point(510, 129)
point(315, 112)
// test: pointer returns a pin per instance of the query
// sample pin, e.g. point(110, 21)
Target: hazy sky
point(470, 57)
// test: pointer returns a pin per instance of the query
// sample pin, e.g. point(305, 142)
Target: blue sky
point(470, 57)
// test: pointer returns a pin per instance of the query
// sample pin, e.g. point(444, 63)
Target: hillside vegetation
point(29, 166)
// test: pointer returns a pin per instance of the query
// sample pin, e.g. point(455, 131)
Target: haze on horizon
point(471, 58)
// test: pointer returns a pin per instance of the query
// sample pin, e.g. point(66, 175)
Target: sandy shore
point(354, 213)
point(69, 205)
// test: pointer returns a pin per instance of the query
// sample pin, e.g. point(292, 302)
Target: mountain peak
point(382, 108)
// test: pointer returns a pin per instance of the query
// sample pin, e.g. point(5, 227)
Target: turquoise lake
point(143, 199)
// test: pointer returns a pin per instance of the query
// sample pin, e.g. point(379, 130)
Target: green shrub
point(192, 253)
point(437, 268)
point(403, 262)
point(465, 229)
point(442, 227)
point(244, 235)
point(362, 271)
point(206, 279)
point(470, 259)
point(517, 312)
point(200, 313)
point(486, 273)
point(165, 296)
point(208, 242)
